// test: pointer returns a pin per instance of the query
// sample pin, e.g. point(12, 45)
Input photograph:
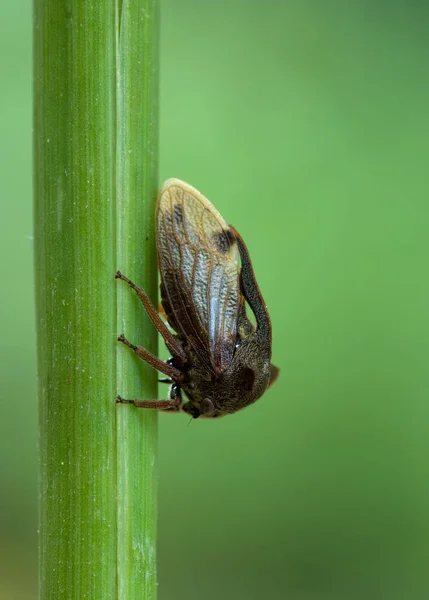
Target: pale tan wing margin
point(200, 272)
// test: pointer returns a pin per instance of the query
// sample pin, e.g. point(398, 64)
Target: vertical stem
point(74, 211)
point(95, 158)
point(137, 179)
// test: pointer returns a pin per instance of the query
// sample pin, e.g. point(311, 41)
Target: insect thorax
point(245, 380)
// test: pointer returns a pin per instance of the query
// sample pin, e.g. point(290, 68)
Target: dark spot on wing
point(222, 240)
point(178, 214)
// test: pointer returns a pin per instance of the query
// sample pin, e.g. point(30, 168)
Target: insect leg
point(173, 405)
point(158, 404)
point(153, 360)
point(170, 340)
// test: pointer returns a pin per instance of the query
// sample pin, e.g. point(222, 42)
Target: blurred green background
point(307, 125)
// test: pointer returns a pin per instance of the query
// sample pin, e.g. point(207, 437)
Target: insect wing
point(200, 273)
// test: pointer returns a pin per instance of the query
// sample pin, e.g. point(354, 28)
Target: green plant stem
point(137, 154)
point(95, 154)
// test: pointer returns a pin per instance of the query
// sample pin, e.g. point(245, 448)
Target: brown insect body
point(219, 358)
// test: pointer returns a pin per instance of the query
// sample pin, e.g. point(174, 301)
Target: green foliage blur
point(307, 125)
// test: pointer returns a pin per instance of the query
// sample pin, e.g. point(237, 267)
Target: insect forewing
point(200, 272)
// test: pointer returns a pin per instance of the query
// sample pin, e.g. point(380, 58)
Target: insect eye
point(207, 406)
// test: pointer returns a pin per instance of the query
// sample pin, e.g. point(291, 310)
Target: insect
point(218, 357)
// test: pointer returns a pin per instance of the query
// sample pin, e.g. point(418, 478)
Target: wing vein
point(199, 266)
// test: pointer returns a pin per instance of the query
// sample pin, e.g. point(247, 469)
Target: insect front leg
point(173, 405)
point(170, 340)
